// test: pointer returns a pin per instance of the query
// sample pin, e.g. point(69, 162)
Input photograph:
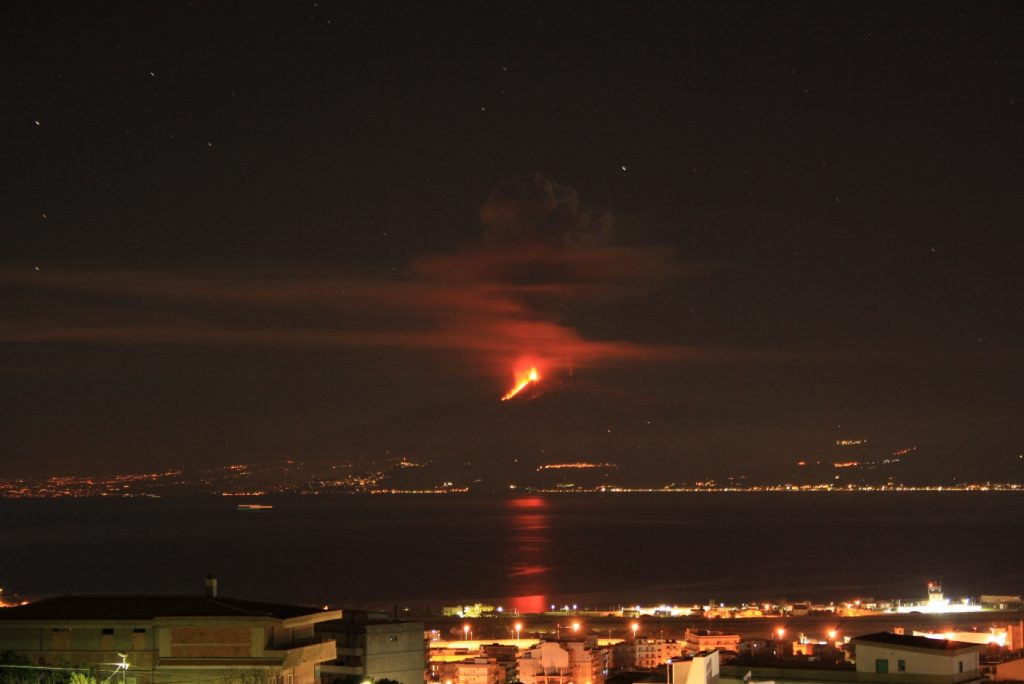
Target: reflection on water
point(528, 546)
point(589, 549)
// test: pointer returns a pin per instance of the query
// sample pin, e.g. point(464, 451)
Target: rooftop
point(908, 641)
point(97, 607)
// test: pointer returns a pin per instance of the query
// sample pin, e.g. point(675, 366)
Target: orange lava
point(529, 378)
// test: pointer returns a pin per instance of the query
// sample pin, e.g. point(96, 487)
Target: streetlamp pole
point(123, 666)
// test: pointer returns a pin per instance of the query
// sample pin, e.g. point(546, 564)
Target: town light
point(635, 626)
point(575, 627)
point(781, 632)
point(465, 632)
point(832, 634)
point(519, 628)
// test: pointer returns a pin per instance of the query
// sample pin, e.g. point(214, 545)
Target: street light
point(832, 634)
point(575, 627)
point(123, 666)
point(635, 626)
point(519, 629)
point(465, 632)
point(781, 632)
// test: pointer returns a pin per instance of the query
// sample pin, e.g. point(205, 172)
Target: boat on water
point(254, 507)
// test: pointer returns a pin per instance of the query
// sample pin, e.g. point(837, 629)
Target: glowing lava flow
point(531, 377)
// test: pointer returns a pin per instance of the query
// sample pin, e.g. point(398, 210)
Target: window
point(961, 664)
point(138, 638)
point(881, 666)
point(901, 665)
point(108, 631)
point(61, 639)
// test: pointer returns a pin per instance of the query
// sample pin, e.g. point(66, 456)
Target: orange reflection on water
point(528, 544)
point(528, 502)
point(528, 570)
point(529, 604)
point(531, 521)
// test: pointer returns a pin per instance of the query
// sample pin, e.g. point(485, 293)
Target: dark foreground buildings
point(170, 639)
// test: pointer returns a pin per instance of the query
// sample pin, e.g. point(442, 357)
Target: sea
point(524, 552)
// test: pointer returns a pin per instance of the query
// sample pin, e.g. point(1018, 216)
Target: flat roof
point(121, 607)
point(908, 641)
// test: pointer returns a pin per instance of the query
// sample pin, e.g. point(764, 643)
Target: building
point(710, 640)
point(372, 647)
point(506, 655)
point(882, 658)
point(942, 660)
point(545, 663)
point(702, 668)
point(995, 636)
point(1000, 601)
point(480, 670)
point(644, 653)
point(1010, 636)
point(170, 639)
point(442, 671)
point(1004, 670)
point(474, 611)
point(563, 662)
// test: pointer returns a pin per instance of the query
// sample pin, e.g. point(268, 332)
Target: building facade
point(1011, 669)
point(506, 655)
point(171, 639)
point(373, 649)
point(644, 653)
point(708, 640)
point(702, 668)
point(943, 661)
point(563, 662)
point(480, 670)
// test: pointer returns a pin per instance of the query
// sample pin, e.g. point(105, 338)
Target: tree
point(81, 678)
point(13, 669)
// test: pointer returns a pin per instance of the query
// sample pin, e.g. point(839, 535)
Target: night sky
point(231, 230)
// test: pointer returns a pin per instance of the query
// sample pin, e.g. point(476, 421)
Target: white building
point(698, 669)
point(941, 660)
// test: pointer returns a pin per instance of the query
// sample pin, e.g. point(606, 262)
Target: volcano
point(554, 420)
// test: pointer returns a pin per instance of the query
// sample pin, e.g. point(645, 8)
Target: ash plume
point(509, 293)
